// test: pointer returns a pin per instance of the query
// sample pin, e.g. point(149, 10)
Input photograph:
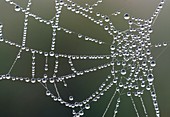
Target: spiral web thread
point(130, 49)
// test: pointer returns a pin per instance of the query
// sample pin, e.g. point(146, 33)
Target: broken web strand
point(134, 106)
point(109, 104)
point(143, 105)
point(157, 11)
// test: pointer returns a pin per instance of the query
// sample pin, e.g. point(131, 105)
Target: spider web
point(130, 59)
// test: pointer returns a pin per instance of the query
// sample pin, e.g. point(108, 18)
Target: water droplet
point(153, 63)
point(106, 27)
point(126, 16)
point(51, 53)
point(1, 39)
point(130, 22)
point(55, 98)
point(123, 71)
point(8, 76)
point(87, 106)
point(33, 80)
point(112, 47)
point(150, 77)
point(48, 93)
point(1, 25)
point(165, 44)
point(107, 19)
point(81, 113)
point(17, 8)
point(80, 36)
point(71, 98)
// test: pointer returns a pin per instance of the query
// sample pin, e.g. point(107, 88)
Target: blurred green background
point(20, 99)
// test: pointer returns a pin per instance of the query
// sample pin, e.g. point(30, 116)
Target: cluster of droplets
point(131, 59)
